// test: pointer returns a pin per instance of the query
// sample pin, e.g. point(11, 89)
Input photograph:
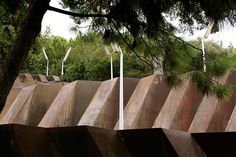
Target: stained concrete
point(104, 107)
point(70, 104)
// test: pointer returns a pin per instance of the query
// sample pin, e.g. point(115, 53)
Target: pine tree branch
point(76, 14)
point(130, 47)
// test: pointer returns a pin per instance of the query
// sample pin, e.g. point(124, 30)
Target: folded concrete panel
point(224, 108)
point(205, 112)
point(70, 104)
point(42, 78)
point(43, 96)
point(104, 107)
point(187, 108)
point(64, 97)
point(135, 102)
point(23, 98)
point(175, 98)
point(37, 104)
point(153, 103)
point(183, 143)
point(145, 102)
point(14, 92)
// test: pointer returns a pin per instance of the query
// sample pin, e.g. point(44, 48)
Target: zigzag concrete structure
point(81, 119)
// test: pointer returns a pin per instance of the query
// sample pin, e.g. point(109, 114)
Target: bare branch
point(76, 14)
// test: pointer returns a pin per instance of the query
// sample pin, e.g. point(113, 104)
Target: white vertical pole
point(203, 56)
point(208, 31)
point(111, 66)
point(121, 108)
point(65, 58)
point(117, 48)
point(109, 54)
point(46, 57)
point(62, 67)
point(47, 67)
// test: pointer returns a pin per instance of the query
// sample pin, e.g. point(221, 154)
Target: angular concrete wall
point(145, 102)
point(205, 111)
point(148, 102)
point(171, 105)
point(104, 107)
point(31, 104)
point(70, 104)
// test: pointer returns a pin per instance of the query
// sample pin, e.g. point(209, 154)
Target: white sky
point(60, 25)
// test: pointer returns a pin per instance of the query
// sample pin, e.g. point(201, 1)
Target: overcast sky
point(60, 25)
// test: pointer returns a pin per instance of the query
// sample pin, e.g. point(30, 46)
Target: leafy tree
point(109, 17)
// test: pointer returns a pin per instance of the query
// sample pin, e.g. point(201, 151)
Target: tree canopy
point(143, 23)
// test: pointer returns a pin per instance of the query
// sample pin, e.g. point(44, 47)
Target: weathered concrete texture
point(104, 107)
point(85, 141)
point(10, 99)
point(176, 97)
point(187, 108)
point(70, 104)
point(42, 78)
point(31, 104)
point(145, 103)
point(23, 97)
point(224, 108)
point(205, 111)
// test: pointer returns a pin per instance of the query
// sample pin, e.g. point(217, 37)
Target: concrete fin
point(65, 96)
point(70, 112)
point(22, 99)
point(171, 105)
point(135, 102)
point(152, 103)
point(10, 99)
point(205, 112)
point(109, 114)
point(103, 109)
point(224, 108)
point(187, 108)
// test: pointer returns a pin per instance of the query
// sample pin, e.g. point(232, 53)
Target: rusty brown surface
point(224, 108)
point(136, 101)
point(31, 104)
point(10, 99)
point(42, 78)
point(19, 140)
point(205, 112)
point(24, 97)
point(187, 108)
point(103, 109)
point(146, 102)
point(171, 105)
point(70, 104)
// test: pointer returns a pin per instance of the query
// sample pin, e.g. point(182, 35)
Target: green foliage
point(87, 60)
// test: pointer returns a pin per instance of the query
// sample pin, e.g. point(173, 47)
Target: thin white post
point(46, 57)
point(117, 48)
point(208, 31)
point(65, 58)
point(109, 54)
point(203, 56)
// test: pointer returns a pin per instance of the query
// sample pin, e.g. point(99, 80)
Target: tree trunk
point(29, 29)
